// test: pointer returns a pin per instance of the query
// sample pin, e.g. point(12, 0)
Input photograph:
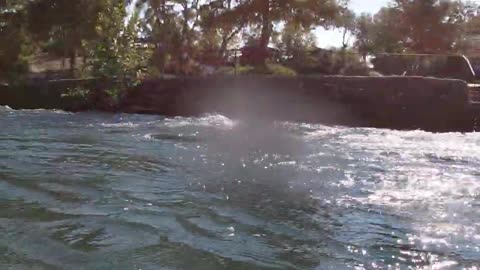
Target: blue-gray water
point(101, 191)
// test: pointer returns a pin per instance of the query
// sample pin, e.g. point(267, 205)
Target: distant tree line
point(417, 26)
point(129, 39)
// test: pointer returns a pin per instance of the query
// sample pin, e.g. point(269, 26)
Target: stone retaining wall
point(390, 102)
point(50, 94)
point(385, 102)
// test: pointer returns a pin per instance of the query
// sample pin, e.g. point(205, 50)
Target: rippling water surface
point(102, 191)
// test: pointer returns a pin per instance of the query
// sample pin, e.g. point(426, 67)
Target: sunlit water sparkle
point(103, 191)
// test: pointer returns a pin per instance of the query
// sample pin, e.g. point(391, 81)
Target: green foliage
point(263, 14)
point(295, 41)
point(268, 69)
point(115, 94)
point(173, 36)
point(418, 26)
point(15, 44)
point(76, 93)
point(346, 21)
point(65, 23)
point(219, 32)
point(469, 13)
point(171, 26)
point(324, 62)
point(379, 33)
point(239, 70)
point(115, 53)
point(76, 97)
point(428, 26)
point(276, 69)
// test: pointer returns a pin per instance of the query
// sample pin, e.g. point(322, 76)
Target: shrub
point(239, 70)
point(328, 63)
point(279, 70)
point(268, 69)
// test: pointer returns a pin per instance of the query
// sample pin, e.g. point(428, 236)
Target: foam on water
point(431, 179)
point(209, 120)
point(120, 125)
point(54, 111)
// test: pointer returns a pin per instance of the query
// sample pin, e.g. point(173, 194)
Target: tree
point(417, 26)
point(469, 14)
point(263, 14)
point(171, 26)
point(294, 40)
point(472, 26)
point(379, 33)
point(364, 34)
point(15, 45)
point(295, 44)
point(428, 26)
point(346, 21)
point(115, 52)
point(68, 22)
point(218, 32)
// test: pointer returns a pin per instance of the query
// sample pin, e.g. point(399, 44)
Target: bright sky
point(333, 38)
point(370, 6)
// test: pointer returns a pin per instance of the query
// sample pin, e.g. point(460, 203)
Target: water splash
point(5, 108)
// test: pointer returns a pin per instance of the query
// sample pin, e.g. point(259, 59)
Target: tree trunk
point(65, 50)
point(223, 49)
point(344, 38)
point(73, 62)
point(266, 33)
point(159, 58)
point(225, 40)
point(185, 48)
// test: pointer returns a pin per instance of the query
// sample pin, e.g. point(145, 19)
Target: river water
point(103, 191)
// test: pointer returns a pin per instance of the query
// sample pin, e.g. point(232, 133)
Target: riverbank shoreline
point(394, 102)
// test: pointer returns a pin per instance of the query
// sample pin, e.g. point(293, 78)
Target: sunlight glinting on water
point(143, 192)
